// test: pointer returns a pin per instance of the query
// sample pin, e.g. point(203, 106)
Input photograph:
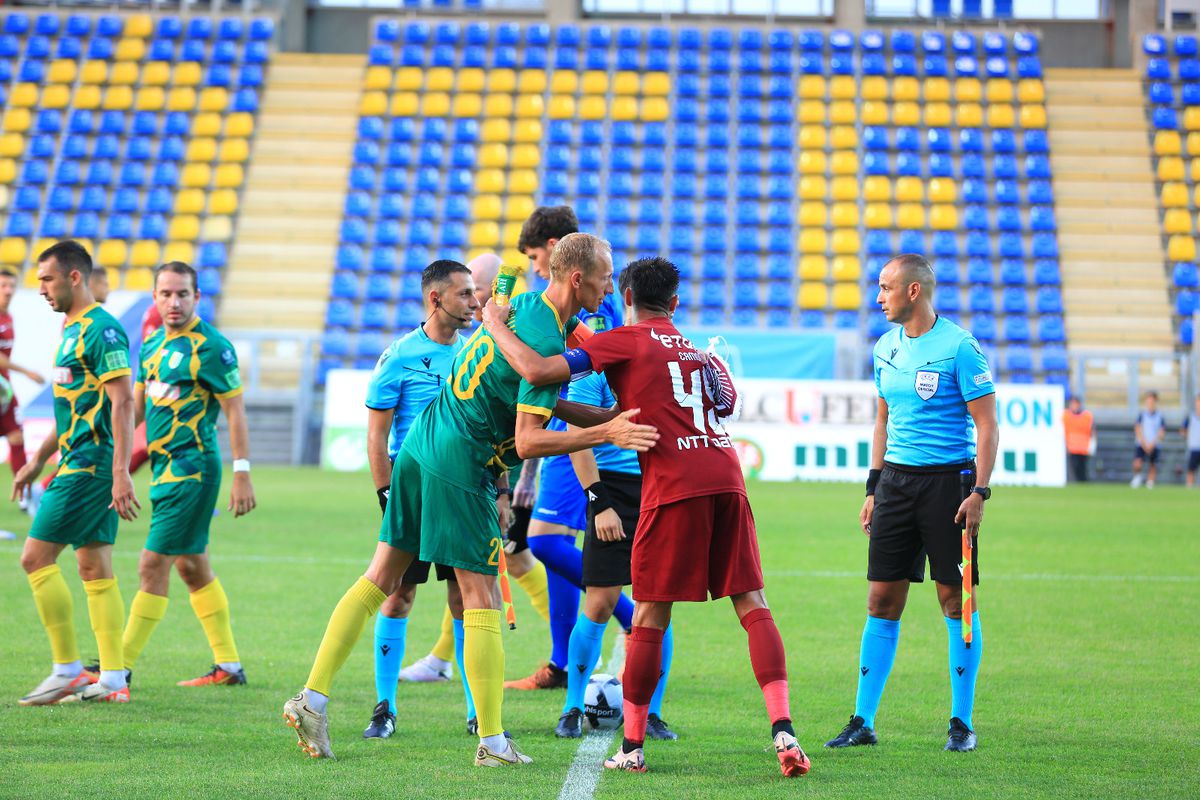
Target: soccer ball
point(603, 703)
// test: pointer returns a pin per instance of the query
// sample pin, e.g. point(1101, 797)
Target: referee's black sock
point(784, 725)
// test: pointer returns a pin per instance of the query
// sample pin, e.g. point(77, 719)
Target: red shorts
point(693, 548)
point(9, 420)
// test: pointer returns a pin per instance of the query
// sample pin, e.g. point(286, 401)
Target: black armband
point(382, 493)
point(872, 481)
point(598, 498)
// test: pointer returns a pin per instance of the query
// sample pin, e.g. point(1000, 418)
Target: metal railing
point(1127, 367)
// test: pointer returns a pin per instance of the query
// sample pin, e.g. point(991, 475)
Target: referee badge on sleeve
point(927, 384)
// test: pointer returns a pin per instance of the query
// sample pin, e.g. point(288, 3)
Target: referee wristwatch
point(983, 491)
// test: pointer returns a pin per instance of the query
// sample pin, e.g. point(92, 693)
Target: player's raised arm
point(533, 441)
point(537, 370)
point(241, 494)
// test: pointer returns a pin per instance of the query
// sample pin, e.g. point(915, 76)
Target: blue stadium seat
point(587, 210)
point(1041, 218)
point(685, 185)
point(370, 128)
point(1158, 69)
point(908, 164)
point(1007, 192)
point(812, 64)
point(1185, 275)
point(153, 226)
point(875, 138)
point(208, 282)
point(383, 259)
point(876, 164)
point(941, 165)
point(947, 299)
point(32, 72)
point(1010, 245)
point(354, 230)
point(1189, 69)
point(1161, 92)
point(124, 200)
point(1045, 245)
point(1008, 218)
point(1012, 272)
point(86, 226)
point(975, 218)
point(378, 287)
point(53, 225)
point(1165, 118)
point(339, 314)
point(159, 200)
point(1050, 329)
point(357, 204)
point(1185, 303)
point(908, 139)
point(42, 147)
point(996, 67)
point(1016, 329)
point(945, 245)
point(912, 242)
point(879, 243)
point(1049, 300)
point(939, 140)
point(979, 245)
point(1015, 300)
point(1018, 359)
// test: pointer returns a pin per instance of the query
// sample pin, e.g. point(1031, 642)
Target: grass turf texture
point(1087, 686)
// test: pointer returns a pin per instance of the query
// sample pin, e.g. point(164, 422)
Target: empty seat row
point(39, 48)
point(139, 26)
point(126, 200)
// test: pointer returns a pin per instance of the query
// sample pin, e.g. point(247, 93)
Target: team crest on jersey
point(67, 344)
point(111, 335)
point(175, 360)
point(227, 357)
point(927, 384)
point(63, 376)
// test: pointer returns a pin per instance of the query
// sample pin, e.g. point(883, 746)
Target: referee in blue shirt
point(935, 391)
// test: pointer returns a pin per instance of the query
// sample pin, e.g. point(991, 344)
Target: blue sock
point(389, 652)
point(564, 608)
point(462, 672)
point(584, 651)
point(879, 640)
point(964, 668)
point(560, 555)
point(668, 648)
point(623, 613)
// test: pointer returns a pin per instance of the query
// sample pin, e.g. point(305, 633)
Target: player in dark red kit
point(10, 423)
point(695, 536)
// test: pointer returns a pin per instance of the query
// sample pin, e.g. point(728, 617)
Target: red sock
point(16, 457)
point(643, 661)
point(138, 458)
point(769, 662)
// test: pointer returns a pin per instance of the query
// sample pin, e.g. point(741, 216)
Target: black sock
point(784, 725)
point(629, 745)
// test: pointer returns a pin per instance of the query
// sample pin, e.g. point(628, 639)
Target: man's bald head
point(484, 269)
point(913, 268)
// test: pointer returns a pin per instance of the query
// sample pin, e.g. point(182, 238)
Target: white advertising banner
point(344, 432)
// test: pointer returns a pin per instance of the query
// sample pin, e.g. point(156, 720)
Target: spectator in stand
point(1081, 432)
point(1191, 434)
point(1148, 432)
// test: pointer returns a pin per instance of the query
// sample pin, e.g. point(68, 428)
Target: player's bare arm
point(534, 441)
point(33, 468)
point(503, 502)
point(537, 370)
point(139, 404)
point(983, 413)
point(581, 415)
point(608, 522)
point(525, 492)
point(379, 423)
point(6, 363)
point(241, 494)
point(120, 398)
point(878, 446)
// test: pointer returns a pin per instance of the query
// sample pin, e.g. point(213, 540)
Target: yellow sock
point(534, 584)
point(443, 648)
point(56, 610)
point(483, 661)
point(212, 609)
point(145, 613)
point(358, 604)
point(107, 612)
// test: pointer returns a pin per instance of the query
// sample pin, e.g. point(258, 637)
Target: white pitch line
point(584, 772)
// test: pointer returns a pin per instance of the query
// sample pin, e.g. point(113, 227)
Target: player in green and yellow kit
point(93, 415)
point(442, 501)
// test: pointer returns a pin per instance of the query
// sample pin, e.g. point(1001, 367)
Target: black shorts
point(1193, 460)
point(1141, 454)
point(607, 563)
point(418, 573)
point(914, 520)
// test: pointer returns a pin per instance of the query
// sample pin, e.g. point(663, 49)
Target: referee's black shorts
point(607, 563)
point(914, 519)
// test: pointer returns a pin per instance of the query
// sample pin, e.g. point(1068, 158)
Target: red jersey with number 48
point(6, 338)
point(651, 366)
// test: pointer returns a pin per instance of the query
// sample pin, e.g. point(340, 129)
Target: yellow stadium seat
point(875, 112)
point(874, 87)
point(968, 90)
point(511, 255)
point(844, 162)
point(1032, 117)
point(466, 105)
point(94, 72)
point(1181, 248)
point(1196, 197)
point(1174, 195)
point(906, 88)
point(624, 109)
point(910, 216)
point(12, 145)
point(907, 114)
point(156, 73)
point(486, 206)
point(405, 104)
point(532, 81)
point(812, 137)
point(937, 115)
point(493, 154)
point(496, 106)
point(846, 268)
point(201, 148)
point(846, 241)
point(910, 189)
point(842, 87)
point(814, 240)
point(523, 181)
point(439, 79)
point(877, 188)
point(510, 233)
point(811, 112)
point(847, 296)
point(502, 80)
point(145, 254)
point(238, 124)
point(112, 253)
point(181, 98)
point(526, 156)
point(1191, 118)
point(562, 107)
point(1031, 90)
point(813, 215)
point(937, 90)
point(196, 176)
point(626, 83)
point(16, 120)
point(124, 73)
point(223, 201)
point(813, 187)
point(942, 190)
point(8, 173)
point(878, 215)
point(656, 84)
point(1177, 220)
point(150, 98)
point(377, 78)
point(1192, 144)
point(189, 201)
point(812, 87)
point(235, 151)
point(490, 181)
point(943, 217)
point(138, 280)
point(1170, 169)
point(968, 115)
point(813, 296)
point(217, 228)
point(435, 104)
point(843, 112)
point(530, 106)
point(13, 252)
point(179, 251)
point(564, 82)
point(844, 215)
point(62, 71)
point(130, 50)
point(655, 109)
point(471, 79)
point(207, 124)
point(229, 176)
point(31, 277)
point(138, 26)
point(186, 74)
point(518, 207)
point(23, 95)
point(812, 162)
point(87, 98)
point(843, 137)
point(483, 234)
point(813, 268)
point(495, 130)
point(56, 96)
point(1167, 143)
point(408, 79)
point(118, 98)
point(214, 98)
point(844, 187)
point(1001, 116)
point(527, 130)
point(999, 90)
point(593, 107)
point(595, 82)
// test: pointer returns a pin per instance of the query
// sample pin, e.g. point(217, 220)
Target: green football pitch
point(1088, 685)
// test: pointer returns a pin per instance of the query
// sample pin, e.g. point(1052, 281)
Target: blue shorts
point(560, 500)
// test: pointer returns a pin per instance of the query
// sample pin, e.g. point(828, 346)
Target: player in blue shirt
point(935, 392)
point(407, 377)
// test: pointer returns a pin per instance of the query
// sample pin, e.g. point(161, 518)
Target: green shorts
point(181, 516)
point(440, 522)
point(75, 511)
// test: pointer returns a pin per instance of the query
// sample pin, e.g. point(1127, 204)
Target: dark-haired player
point(695, 536)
